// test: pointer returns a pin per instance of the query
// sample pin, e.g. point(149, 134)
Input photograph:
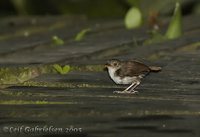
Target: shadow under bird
point(128, 72)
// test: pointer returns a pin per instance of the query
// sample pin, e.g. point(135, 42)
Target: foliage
point(62, 70)
point(133, 18)
point(57, 41)
point(18, 75)
point(175, 27)
point(156, 37)
point(82, 34)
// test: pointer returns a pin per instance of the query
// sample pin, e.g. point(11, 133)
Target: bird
point(128, 72)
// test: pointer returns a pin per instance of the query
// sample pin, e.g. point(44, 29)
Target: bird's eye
point(115, 64)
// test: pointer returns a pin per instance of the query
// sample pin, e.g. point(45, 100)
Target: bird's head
point(113, 64)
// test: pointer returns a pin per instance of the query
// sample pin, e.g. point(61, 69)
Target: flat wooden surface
point(168, 102)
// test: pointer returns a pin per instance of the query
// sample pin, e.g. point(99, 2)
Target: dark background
point(93, 8)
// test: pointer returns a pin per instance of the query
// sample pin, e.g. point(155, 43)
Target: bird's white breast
point(119, 80)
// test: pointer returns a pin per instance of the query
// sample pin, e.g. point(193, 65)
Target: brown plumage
point(132, 68)
point(129, 72)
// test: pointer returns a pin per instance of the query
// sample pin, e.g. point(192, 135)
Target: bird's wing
point(133, 68)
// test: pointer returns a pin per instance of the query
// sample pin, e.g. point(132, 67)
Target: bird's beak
point(106, 66)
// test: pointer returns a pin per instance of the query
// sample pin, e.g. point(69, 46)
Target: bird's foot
point(134, 92)
point(120, 92)
point(126, 92)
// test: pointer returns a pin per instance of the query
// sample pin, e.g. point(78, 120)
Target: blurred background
point(94, 8)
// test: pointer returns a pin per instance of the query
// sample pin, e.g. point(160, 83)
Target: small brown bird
point(128, 72)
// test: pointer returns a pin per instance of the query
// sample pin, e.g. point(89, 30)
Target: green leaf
point(133, 18)
point(62, 70)
point(66, 69)
point(57, 41)
point(82, 34)
point(175, 28)
point(58, 68)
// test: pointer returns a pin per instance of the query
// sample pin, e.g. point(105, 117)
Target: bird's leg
point(127, 89)
point(137, 83)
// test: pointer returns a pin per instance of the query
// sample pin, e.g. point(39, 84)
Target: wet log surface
point(82, 102)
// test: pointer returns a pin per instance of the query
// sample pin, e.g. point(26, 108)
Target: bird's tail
point(155, 69)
